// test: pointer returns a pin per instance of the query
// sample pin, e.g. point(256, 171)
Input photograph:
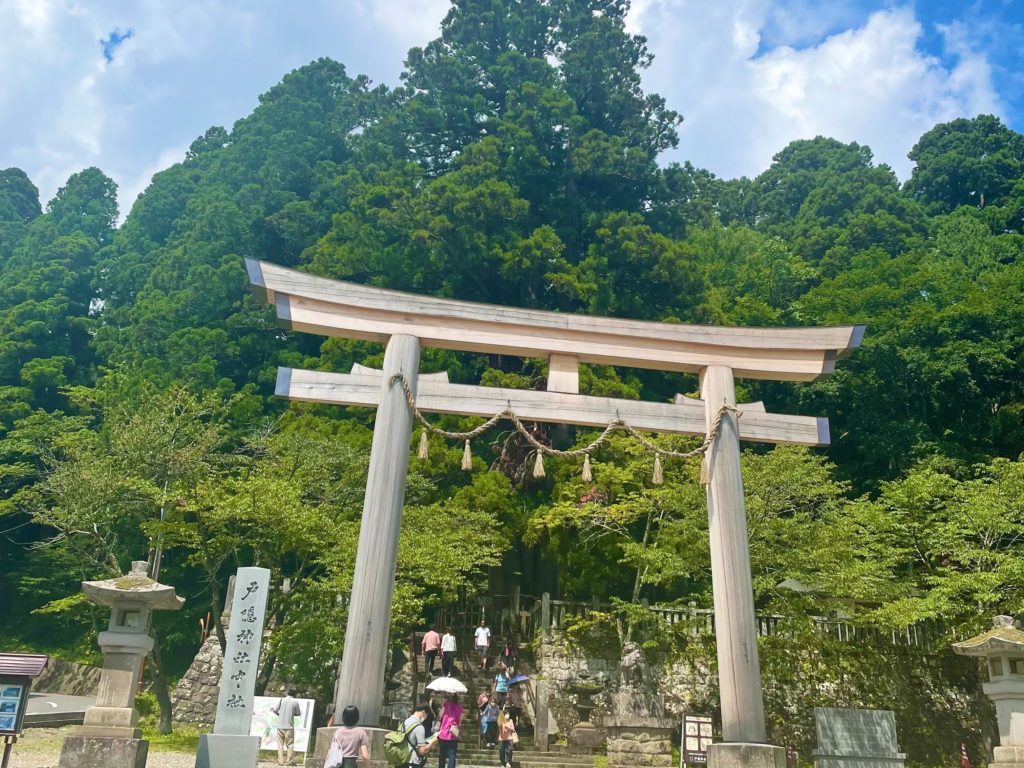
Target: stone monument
point(639, 730)
point(1002, 647)
point(230, 745)
point(856, 738)
point(108, 737)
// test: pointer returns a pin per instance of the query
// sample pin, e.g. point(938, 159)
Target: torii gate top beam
point(335, 308)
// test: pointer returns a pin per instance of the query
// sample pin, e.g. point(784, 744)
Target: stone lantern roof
point(134, 587)
point(1004, 637)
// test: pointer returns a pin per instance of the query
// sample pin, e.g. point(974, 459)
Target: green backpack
point(397, 746)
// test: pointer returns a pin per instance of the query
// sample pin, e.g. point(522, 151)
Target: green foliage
point(517, 164)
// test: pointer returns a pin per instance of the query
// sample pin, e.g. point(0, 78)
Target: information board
point(264, 722)
point(11, 705)
point(696, 736)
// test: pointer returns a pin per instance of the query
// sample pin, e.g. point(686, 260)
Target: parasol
point(447, 685)
point(519, 679)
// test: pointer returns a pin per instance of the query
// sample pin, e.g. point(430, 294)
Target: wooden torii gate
point(405, 322)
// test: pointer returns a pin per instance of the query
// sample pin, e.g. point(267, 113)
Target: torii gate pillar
point(329, 307)
point(739, 671)
point(361, 674)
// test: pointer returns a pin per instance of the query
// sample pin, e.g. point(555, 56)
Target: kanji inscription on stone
point(242, 655)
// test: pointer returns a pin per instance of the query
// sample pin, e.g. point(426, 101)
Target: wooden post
point(545, 614)
point(739, 671)
point(361, 676)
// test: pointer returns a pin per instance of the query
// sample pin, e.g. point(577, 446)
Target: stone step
point(490, 758)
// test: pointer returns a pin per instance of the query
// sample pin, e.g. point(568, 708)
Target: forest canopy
point(517, 163)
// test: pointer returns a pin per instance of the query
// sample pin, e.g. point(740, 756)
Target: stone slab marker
point(856, 738)
point(230, 745)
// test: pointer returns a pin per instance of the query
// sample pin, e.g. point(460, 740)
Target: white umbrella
point(447, 685)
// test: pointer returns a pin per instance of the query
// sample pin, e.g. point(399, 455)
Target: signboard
point(264, 722)
point(696, 736)
point(13, 697)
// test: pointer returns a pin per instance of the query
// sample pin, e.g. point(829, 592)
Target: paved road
point(56, 708)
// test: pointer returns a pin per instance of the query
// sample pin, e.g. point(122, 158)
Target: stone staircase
point(525, 756)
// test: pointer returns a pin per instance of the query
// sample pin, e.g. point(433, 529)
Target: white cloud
point(408, 22)
point(871, 84)
point(724, 65)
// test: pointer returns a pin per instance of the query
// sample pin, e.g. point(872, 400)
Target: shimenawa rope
point(538, 470)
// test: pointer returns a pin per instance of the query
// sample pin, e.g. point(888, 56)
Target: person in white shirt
point(482, 640)
point(448, 649)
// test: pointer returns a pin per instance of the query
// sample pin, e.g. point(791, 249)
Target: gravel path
point(40, 748)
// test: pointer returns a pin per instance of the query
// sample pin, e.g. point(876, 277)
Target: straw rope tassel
point(538, 465)
point(424, 452)
point(467, 458)
point(704, 479)
point(588, 476)
point(659, 476)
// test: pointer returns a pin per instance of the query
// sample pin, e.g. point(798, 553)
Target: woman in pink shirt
point(431, 646)
point(448, 736)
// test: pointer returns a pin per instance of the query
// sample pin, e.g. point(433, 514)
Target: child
point(506, 737)
point(490, 717)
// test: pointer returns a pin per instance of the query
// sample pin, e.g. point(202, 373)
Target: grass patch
point(184, 738)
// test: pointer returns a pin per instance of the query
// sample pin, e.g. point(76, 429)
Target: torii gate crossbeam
point(407, 321)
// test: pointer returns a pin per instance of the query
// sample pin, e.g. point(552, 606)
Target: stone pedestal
point(632, 747)
point(585, 736)
point(227, 750)
point(639, 731)
point(322, 744)
point(738, 755)
point(81, 751)
point(1007, 757)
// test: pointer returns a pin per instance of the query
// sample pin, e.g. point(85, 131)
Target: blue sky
point(127, 86)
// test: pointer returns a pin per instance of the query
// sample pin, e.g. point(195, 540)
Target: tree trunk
point(266, 670)
point(217, 608)
point(638, 582)
point(161, 688)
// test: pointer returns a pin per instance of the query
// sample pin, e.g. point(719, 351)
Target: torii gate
point(405, 322)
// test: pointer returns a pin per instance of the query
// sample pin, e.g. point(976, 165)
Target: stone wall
point(195, 696)
point(68, 677)
point(560, 665)
point(638, 746)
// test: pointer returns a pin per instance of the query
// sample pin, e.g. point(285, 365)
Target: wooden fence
point(548, 614)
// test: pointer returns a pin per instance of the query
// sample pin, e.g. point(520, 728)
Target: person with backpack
point(408, 746)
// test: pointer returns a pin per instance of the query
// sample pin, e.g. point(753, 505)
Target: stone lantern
point(1002, 647)
point(108, 736)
